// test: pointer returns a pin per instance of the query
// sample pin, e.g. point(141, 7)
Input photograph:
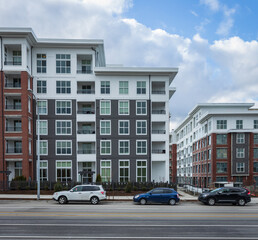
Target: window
point(239, 124)
point(255, 152)
point(105, 108)
point(105, 147)
point(43, 127)
point(41, 63)
point(86, 66)
point(105, 127)
point(19, 125)
point(63, 107)
point(124, 171)
point(141, 147)
point(209, 125)
point(209, 140)
point(63, 87)
point(30, 147)
point(240, 167)
point(29, 104)
point(105, 87)
point(17, 169)
point(42, 107)
point(256, 167)
point(209, 154)
point(141, 107)
point(255, 124)
point(123, 87)
point(141, 87)
point(124, 147)
point(105, 170)
point(141, 127)
point(123, 127)
point(123, 108)
point(63, 63)
point(43, 170)
point(141, 170)
point(17, 58)
point(221, 179)
point(63, 147)
point(221, 139)
point(63, 127)
point(221, 167)
point(64, 171)
point(221, 124)
point(255, 138)
point(221, 153)
point(43, 146)
point(240, 152)
point(240, 138)
point(41, 86)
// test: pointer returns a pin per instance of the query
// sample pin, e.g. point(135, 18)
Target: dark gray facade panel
point(115, 137)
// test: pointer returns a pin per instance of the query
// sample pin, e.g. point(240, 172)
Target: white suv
point(92, 193)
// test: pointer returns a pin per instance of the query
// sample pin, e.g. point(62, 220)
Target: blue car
point(158, 195)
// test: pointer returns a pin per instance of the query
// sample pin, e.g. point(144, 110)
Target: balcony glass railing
point(158, 111)
point(158, 151)
point(159, 131)
point(158, 92)
point(14, 150)
point(87, 71)
point(13, 107)
point(13, 129)
point(12, 85)
point(80, 131)
point(86, 151)
point(86, 91)
point(86, 111)
point(12, 63)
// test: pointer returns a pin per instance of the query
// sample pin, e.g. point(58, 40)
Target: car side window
point(234, 190)
point(167, 191)
point(157, 191)
point(86, 188)
point(77, 189)
point(224, 190)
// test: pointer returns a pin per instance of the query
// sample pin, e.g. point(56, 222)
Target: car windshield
point(216, 190)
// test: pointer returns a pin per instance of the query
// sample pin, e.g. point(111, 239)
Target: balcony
point(86, 151)
point(158, 88)
point(86, 88)
point(158, 128)
point(158, 108)
point(12, 81)
point(84, 64)
point(86, 108)
point(158, 151)
point(86, 131)
point(13, 55)
point(13, 147)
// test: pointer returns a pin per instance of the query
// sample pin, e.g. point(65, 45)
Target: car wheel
point(241, 202)
point(211, 201)
point(94, 200)
point(172, 201)
point(143, 201)
point(62, 200)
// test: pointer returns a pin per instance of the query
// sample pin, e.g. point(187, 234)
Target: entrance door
point(87, 178)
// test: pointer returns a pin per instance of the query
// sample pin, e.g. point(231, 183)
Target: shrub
point(128, 187)
point(98, 179)
point(46, 187)
point(135, 188)
point(58, 187)
point(19, 179)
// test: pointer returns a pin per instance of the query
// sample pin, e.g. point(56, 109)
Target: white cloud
point(228, 22)
point(212, 4)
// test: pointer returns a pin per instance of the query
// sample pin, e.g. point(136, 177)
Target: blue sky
point(214, 43)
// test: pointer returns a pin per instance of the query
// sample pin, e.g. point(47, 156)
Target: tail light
point(102, 192)
point(177, 195)
point(248, 192)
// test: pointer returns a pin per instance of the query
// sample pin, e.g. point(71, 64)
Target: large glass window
point(43, 146)
point(64, 147)
point(255, 124)
point(239, 124)
point(255, 138)
point(105, 127)
point(124, 147)
point(105, 170)
point(105, 147)
point(17, 169)
point(221, 167)
point(41, 86)
point(41, 63)
point(141, 87)
point(63, 107)
point(221, 139)
point(240, 167)
point(240, 138)
point(123, 108)
point(17, 58)
point(43, 127)
point(42, 107)
point(141, 107)
point(221, 153)
point(256, 153)
point(141, 147)
point(43, 170)
point(63, 63)
point(123, 127)
point(105, 87)
point(221, 124)
point(63, 87)
point(141, 169)
point(240, 152)
point(105, 108)
point(124, 171)
point(123, 87)
point(256, 167)
point(221, 179)
point(63, 127)
point(141, 127)
point(64, 171)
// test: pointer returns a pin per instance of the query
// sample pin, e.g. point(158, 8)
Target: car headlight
point(137, 196)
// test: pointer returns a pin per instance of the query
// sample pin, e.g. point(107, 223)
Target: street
point(124, 220)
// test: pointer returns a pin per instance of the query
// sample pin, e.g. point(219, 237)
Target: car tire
point(94, 200)
point(62, 200)
point(172, 201)
point(211, 201)
point(241, 202)
point(143, 201)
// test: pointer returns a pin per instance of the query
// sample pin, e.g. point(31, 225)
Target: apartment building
point(218, 143)
point(93, 118)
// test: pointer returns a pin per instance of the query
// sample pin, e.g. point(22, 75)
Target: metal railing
point(158, 151)
point(14, 150)
point(13, 107)
point(13, 129)
point(12, 85)
point(158, 111)
point(158, 131)
point(86, 91)
point(86, 111)
point(86, 151)
point(86, 131)
point(84, 71)
point(158, 92)
point(12, 63)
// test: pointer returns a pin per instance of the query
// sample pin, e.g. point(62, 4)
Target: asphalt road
point(125, 220)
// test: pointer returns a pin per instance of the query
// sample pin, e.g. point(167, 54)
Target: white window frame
point(63, 58)
point(29, 104)
point(64, 154)
point(66, 121)
point(240, 153)
point(104, 147)
point(41, 148)
point(123, 167)
point(100, 107)
point(137, 141)
point(240, 169)
point(30, 147)
point(240, 138)
point(141, 88)
point(105, 86)
point(146, 128)
point(62, 107)
point(103, 178)
point(64, 161)
point(141, 160)
point(141, 101)
point(123, 89)
point(105, 128)
point(119, 147)
point(41, 88)
point(122, 110)
point(41, 128)
point(119, 121)
point(255, 123)
point(239, 124)
point(67, 87)
point(42, 168)
point(222, 124)
point(42, 107)
point(41, 59)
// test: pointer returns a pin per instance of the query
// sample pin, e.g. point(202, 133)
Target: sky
point(214, 43)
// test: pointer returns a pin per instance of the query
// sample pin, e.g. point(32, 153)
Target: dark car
point(158, 195)
point(234, 195)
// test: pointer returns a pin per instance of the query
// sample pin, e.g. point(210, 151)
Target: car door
point(234, 194)
point(166, 195)
point(86, 192)
point(75, 193)
point(156, 196)
point(224, 195)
